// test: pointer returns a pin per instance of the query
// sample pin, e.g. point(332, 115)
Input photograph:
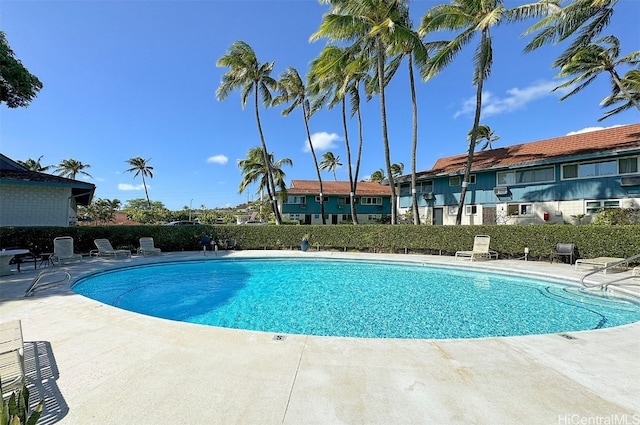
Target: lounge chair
point(207, 241)
point(480, 249)
point(106, 250)
point(147, 247)
point(63, 251)
point(11, 357)
point(563, 250)
point(230, 244)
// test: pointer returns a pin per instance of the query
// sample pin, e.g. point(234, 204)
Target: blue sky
point(138, 78)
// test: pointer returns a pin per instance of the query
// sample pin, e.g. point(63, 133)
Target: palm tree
point(591, 60)
point(411, 47)
point(330, 162)
point(397, 169)
point(377, 176)
point(71, 168)
point(631, 82)
point(254, 170)
point(468, 17)
point(373, 25)
point(585, 18)
point(334, 74)
point(247, 74)
point(293, 90)
point(141, 167)
point(34, 165)
point(484, 133)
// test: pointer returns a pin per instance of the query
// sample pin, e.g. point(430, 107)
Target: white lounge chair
point(106, 250)
point(63, 251)
point(480, 249)
point(11, 357)
point(147, 247)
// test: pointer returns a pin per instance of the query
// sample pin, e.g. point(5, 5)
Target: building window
point(471, 209)
point(592, 207)
point(520, 209)
point(343, 200)
point(294, 217)
point(324, 199)
point(457, 180)
point(296, 200)
point(532, 175)
point(600, 168)
point(345, 217)
point(628, 165)
point(373, 217)
point(424, 187)
point(368, 200)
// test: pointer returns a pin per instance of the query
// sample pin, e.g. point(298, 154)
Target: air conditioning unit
point(630, 181)
point(428, 196)
point(340, 207)
point(501, 190)
point(303, 206)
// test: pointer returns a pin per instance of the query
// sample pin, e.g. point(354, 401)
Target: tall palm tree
point(71, 168)
point(250, 76)
point(468, 17)
point(484, 133)
point(373, 26)
point(254, 170)
point(335, 73)
point(330, 162)
point(294, 91)
point(140, 166)
point(631, 82)
point(411, 47)
point(35, 165)
point(589, 61)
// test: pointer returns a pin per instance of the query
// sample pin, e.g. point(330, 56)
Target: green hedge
point(508, 241)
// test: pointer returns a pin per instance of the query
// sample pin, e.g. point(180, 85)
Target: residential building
point(373, 202)
point(549, 181)
point(29, 198)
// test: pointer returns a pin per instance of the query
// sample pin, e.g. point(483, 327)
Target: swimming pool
point(354, 299)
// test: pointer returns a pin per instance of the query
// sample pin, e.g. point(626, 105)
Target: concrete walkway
point(96, 364)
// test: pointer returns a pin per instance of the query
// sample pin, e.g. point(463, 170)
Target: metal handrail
point(36, 285)
point(610, 266)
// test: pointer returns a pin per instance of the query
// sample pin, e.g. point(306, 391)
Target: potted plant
point(304, 243)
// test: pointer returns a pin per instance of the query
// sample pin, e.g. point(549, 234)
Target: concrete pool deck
point(96, 364)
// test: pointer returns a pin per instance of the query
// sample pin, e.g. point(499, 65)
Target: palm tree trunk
point(358, 159)
point(144, 183)
point(315, 160)
point(385, 135)
point(265, 153)
point(414, 146)
point(352, 204)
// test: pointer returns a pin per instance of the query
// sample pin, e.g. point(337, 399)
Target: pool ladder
point(38, 283)
point(605, 285)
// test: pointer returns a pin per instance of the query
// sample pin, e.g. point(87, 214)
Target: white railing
point(39, 284)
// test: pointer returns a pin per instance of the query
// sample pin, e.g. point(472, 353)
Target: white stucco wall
point(23, 205)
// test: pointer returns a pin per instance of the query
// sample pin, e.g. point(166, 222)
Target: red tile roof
point(610, 139)
point(311, 187)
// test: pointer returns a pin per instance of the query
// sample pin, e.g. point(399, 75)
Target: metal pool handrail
point(36, 285)
point(616, 264)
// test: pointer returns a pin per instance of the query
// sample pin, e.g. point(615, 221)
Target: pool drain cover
point(279, 338)
point(565, 336)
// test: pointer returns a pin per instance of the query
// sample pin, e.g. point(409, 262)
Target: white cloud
point(322, 141)
point(126, 186)
point(589, 129)
point(515, 98)
point(217, 159)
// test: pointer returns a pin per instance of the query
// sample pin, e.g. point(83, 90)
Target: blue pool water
point(354, 298)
